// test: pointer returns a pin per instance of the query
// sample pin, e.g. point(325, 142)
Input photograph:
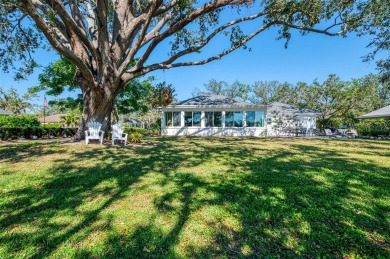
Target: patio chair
point(335, 134)
point(94, 132)
point(352, 133)
point(328, 133)
point(117, 133)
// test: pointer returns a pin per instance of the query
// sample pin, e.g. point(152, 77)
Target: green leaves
point(57, 78)
point(11, 101)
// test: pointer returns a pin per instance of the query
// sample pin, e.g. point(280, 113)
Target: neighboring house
point(213, 115)
point(4, 112)
point(377, 114)
point(55, 118)
point(287, 120)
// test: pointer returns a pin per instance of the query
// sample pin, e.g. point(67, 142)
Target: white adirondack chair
point(94, 132)
point(117, 133)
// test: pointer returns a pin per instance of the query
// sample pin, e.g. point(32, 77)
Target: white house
point(213, 115)
point(287, 120)
point(216, 115)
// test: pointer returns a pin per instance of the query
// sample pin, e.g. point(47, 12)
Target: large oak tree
point(113, 42)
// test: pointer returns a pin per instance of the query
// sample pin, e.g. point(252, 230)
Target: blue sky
point(309, 57)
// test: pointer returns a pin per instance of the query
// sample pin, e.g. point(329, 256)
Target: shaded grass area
point(196, 197)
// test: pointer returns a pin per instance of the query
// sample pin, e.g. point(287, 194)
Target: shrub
point(134, 137)
point(374, 128)
point(52, 125)
point(130, 130)
point(155, 128)
point(26, 121)
point(330, 122)
point(40, 131)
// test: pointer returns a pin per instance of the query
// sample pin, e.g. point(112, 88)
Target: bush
point(130, 130)
point(40, 131)
point(330, 122)
point(25, 121)
point(374, 128)
point(134, 137)
point(53, 125)
point(155, 128)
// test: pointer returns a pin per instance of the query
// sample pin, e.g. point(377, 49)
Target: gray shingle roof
point(4, 112)
point(380, 113)
point(212, 100)
point(282, 108)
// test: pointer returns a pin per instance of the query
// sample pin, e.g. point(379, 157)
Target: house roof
point(212, 103)
point(4, 112)
point(380, 113)
point(287, 109)
point(213, 100)
point(55, 118)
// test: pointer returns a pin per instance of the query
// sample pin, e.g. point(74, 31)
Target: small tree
point(72, 118)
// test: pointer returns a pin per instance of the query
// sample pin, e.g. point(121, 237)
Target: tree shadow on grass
point(142, 202)
point(321, 214)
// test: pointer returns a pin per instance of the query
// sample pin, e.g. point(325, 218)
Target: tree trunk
point(98, 104)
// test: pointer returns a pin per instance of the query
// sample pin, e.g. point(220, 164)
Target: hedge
point(40, 131)
point(374, 128)
point(25, 121)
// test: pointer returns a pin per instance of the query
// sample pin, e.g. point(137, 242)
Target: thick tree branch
point(165, 8)
point(216, 32)
point(75, 31)
point(207, 8)
point(103, 38)
point(166, 65)
point(147, 19)
point(90, 17)
point(49, 32)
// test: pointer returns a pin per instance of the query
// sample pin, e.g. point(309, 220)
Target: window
point(217, 119)
point(168, 119)
point(172, 119)
point(196, 116)
point(229, 119)
point(192, 119)
point(213, 119)
point(254, 119)
point(188, 119)
point(209, 119)
point(233, 119)
point(238, 116)
point(176, 119)
point(250, 119)
point(259, 119)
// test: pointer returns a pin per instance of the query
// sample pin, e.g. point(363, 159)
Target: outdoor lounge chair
point(328, 133)
point(335, 134)
point(352, 133)
point(94, 132)
point(117, 133)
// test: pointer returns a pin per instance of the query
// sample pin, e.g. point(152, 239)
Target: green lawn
point(196, 197)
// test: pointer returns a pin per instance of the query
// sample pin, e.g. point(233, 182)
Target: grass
point(196, 197)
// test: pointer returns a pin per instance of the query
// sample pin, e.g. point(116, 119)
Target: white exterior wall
point(306, 122)
point(212, 131)
point(215, 131)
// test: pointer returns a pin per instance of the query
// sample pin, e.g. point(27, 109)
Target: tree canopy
point(333, 98)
